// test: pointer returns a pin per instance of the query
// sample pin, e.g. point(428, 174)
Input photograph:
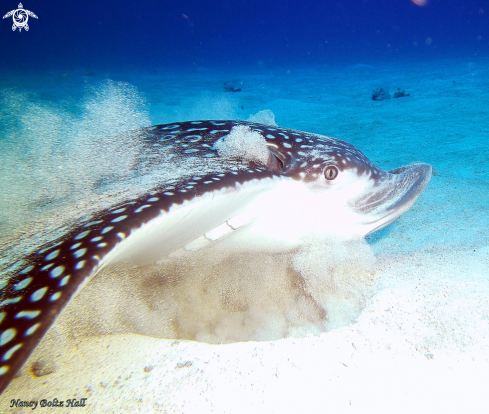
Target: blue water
point(224, 34)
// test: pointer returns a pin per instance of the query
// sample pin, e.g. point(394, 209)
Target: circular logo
point(20, 18)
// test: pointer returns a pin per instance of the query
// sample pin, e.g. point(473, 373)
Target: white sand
point(421, 345)
point(422, 342)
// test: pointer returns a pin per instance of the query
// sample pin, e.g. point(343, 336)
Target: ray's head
point(346, 190)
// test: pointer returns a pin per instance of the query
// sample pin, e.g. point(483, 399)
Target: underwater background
point(85, 72)
point(236, 34)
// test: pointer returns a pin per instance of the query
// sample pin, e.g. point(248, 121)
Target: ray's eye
point(330, 173)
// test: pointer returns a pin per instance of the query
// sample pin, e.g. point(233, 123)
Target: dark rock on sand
point(380, 94)
point(400, 93)
point(232, 86)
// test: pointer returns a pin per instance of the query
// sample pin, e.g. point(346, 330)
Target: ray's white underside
point(271, 214)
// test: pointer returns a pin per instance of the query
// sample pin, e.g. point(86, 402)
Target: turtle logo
point(20, 17)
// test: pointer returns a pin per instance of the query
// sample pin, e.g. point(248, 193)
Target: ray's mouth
point(395, 195)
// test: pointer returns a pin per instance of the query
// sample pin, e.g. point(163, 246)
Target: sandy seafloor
point(422, 342)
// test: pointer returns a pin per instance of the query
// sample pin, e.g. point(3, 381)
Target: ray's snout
point(414, 179)
point(394, 195)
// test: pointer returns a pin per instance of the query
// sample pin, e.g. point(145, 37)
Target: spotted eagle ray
point(269, 187)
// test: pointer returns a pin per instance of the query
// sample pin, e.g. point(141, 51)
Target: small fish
point(262, 187)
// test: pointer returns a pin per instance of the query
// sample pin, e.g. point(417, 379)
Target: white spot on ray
point(10, 352)
point(23, 284)
point(10, 301)
point(7, 336)
point(117, 219)
point(82, 235)
point(55, 297)
point(32, 329)
point(57, 271)
point(170, 127)
point(80, 265)
point(52, 255)
point(49, 248)
point(38, 294)
point(26, 270)
point(64, 281)
point(107, 229)
point(80, 253)
point(142, 208)
point(28, 314)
